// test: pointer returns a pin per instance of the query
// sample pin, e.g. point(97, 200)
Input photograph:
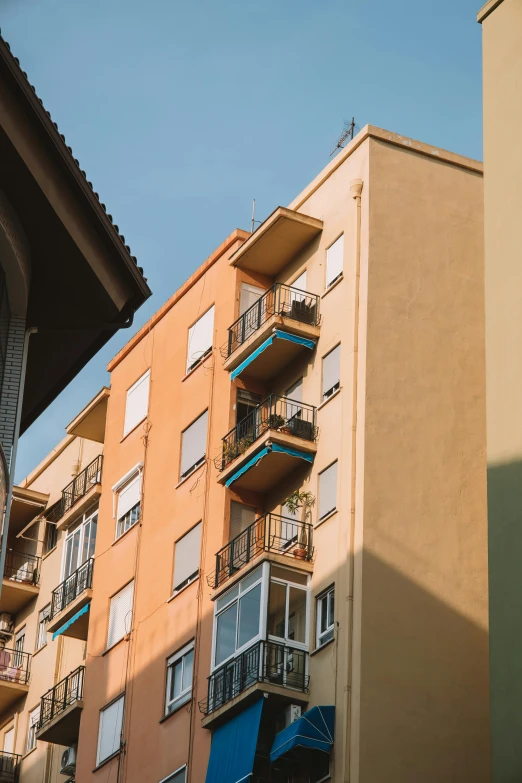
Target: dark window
point(245, 403)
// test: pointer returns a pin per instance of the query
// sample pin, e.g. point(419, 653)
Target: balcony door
point(250, 295)
point(9, 741)
point(79, 544)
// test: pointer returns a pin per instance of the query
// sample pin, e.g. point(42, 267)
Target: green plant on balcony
point(276, 421)
point(301, 503)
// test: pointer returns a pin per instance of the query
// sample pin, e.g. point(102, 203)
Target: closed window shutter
point(109, 732)
point(295, 392)
point(177, 777)
point(9, 741)
point(200, 338)
point(186, 557)
point(300, 283)
point(249, 296)
point(241, 517)
point(334, 260)
point(120, 614)
point(331, 370)
point(129, 496)
point(137, 403)
point(328, 490)
point(194, 444)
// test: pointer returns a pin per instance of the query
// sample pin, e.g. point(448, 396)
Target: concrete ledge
point(232, 707)
point(79, 507)
point(64, 728)
point(59, 619)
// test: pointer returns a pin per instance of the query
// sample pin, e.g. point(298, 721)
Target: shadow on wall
point(505, 606)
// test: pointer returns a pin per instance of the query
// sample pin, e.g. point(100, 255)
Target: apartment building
point(501, 22)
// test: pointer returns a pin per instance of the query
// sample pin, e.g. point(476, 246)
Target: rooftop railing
point(76, 489)
point(271, 662)
point(14, 666)
point(268, 533)
point(274, 413)
point(61, 696)
point(21, 567)
point(9, 767)
point(72, 587)
point(280, 299)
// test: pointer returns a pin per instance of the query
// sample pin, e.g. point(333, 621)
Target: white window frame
point(99, 761)
point(170, 778)
point(33, 718)
point(186, 695)
point(340, 275)
point(41, 628)
point(85, 519)
point(328, 594)
point(135, 472)
point(191, 365)
point(285, 640)
point(129, 428)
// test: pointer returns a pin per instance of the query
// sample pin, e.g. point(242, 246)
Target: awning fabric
point(234, 747)
point(259, 456)
point(71, 620)
point(314, 730)
point(277, 335)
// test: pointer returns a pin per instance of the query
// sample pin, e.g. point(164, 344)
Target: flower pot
point(300, 554)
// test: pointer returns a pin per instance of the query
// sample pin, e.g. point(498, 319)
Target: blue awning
point(259, 456)
point(314, 729)
point(278, 334)
point(70, 621)
point(234, 747)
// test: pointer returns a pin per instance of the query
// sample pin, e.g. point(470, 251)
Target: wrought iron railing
point(9, 767)
point(21, 567)
point(271, 662)
point(76, 489)
point(70, 588)
point(64, 693)
point(14, 665)
point(274, 413)
point(281, 300)
point(268, 533)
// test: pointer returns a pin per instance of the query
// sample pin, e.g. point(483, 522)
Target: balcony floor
point(16, 595)
point(10, 692)
point(232, 707)
point(77, 630)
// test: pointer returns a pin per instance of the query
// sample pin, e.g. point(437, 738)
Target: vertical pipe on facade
point(356, 189)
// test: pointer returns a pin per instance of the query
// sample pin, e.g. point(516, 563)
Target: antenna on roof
point(347, 135)
point(254, 221)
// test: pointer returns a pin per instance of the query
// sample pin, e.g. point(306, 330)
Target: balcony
point(20, 583)
point(61, 709)
point(78, 495)
point(275, 668)
point(14, 676)
point(270, 533)
point(9, 767)
point(283, 323)
point(275, 439)
point(70, 603)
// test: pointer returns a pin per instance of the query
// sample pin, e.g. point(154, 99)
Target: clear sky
point(182, 113)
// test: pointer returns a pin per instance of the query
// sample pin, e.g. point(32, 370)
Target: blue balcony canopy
point(71, 620)
point(234, 747)
point(278, 334)
point(314, 730)
point(275, 447)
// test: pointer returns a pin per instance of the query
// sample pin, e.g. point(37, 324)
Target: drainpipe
point(356, 186)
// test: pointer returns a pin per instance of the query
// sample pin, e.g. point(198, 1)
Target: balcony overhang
point(10, 692)
point(73, 621)
point(272, 347)
point(268, 461)
point(276, 242)
point(79, 507)
point(25, 506)
point(90, 423)
point(64, 728)
point(15, 596)
point(275, 693)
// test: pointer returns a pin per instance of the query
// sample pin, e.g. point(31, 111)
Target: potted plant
point(275, 421)
point(301, 502)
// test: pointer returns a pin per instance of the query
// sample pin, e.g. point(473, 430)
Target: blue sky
point(182, 113)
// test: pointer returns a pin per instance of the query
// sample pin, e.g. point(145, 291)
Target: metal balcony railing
point(9, 767)
point(268, 533)
point(76, 489)
point(21, 567)
point(271, 662)
point(281, 300)
point(70, 588)
point(274, 413)
point(14, 665)
point(64, 693)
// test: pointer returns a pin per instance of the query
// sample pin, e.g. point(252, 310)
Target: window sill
point(29, 752)
point(325, 518)
point(126, 435)
point(334, 285)
point(39, 649)
point(106, 761)
point(181, 590)
point(197, 366)
point(319, 649)
point(186, 478)
point(132, 527)
point(177, 709)
point(108, 649)
point(44, 557)
point(331, 397)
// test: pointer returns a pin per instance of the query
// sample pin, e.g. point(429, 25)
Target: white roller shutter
point(109, 731)
point(200, 338)
point(9, 741)
point(137, 403)
point(193, 445)
point(295, 392)
point(241, 517)
point(331, 371)
point(129, 496)
point(334, 261)
point(120, 614)
point(186, 557)
point(249, 296)
point(328, 490)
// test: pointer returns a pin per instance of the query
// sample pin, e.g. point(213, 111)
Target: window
point(179, 678)
point(200, 339)
point(120, 614)
point(80, 542)
point(128, 506)
point(50, 537)
point(32, 728)
point(250, 294)
point(193, 445)
point(109, 730)
point(241, 517)
point(18, 658)
point(331, 372)
point(43, 619)
point(287, 606)
point(246, 403)
point(295, 392)
point(137, 403)
point(325, 617)
point(328, 491)
point(186, 558)
point(9, 740)
point(238, 617)
point(180, 776)
point(334, 261)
